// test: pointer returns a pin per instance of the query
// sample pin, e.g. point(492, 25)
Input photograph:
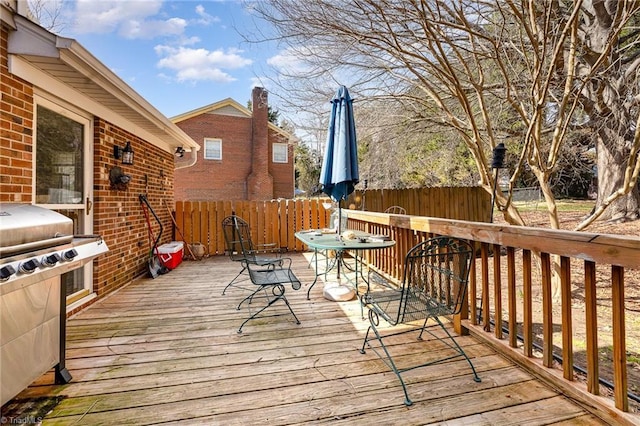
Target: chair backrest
point(435, 278)
point(396, 210)
point(237, 237)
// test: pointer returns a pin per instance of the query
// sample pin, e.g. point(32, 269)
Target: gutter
point(190, 161)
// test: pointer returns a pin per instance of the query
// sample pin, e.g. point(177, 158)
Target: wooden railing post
point(591, 325)
point(619, 342)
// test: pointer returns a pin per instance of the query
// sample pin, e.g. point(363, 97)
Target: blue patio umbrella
point(339, 173)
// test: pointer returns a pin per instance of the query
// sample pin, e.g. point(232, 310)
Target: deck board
point(167, 350)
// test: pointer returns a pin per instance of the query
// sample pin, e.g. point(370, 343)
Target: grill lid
point(25, 227)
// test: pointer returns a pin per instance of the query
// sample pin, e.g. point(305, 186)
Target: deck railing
point(513, 305)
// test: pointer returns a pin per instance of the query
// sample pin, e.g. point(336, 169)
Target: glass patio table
point(319, 241)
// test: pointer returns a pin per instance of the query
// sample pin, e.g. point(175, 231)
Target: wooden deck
point(167, 351)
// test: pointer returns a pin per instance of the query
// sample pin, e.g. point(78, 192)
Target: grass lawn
point(582, 206)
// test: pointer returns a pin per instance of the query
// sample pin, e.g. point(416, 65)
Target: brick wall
point(283, 175)
point(230, 178)
point(16, 134)
point(118, 214)
point(215, 179)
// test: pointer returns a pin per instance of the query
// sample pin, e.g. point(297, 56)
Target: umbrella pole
point(339, 252)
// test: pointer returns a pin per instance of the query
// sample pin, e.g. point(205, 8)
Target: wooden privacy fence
point(273, 221)
point(277, 221)
point(462, 203)
point(512, 306)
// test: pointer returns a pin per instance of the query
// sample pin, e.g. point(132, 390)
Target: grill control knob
point(70, 254)
point(29, 266)
point(51, 259)
point(6, 272)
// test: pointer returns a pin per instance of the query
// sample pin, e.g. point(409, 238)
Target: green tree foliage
point(307, 169)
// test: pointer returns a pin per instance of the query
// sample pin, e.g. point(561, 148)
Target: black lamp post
point(365, 185)
point(497, 163)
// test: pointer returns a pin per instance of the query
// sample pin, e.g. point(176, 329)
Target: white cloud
point(287, 60)
point(108, 15)
point(201, 64)
point(133, 19)
point(187, 41)
point(152, 28)
point(213, 74)
point(205, 18)
point(130, 19)
point(180, 59)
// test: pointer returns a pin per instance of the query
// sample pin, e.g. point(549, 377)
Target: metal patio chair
point(240, 247)
point(270, 281)
point(396, 210)
point(434, 285)
point(268, 275)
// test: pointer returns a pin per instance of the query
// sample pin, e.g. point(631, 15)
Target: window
point(60, 158)
point(213, 149)
point(280, 153)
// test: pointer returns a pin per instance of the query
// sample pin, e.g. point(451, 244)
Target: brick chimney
point(259, 181)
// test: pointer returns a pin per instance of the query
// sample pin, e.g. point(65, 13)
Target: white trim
point(222, 108)
point(286, 153)
point(81, 302)
point(60, 106)
point(7, 10)
point(65, 109)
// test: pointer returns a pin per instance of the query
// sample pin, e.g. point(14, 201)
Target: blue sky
point(179, 55)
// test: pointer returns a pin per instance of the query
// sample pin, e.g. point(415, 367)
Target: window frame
point(274, 153)
point(82, 276)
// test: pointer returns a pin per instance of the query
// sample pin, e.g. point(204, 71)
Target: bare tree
point(48, 13)
point(527, 72)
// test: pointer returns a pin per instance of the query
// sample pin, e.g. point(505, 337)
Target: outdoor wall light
point(125, 153)
point(180, 152)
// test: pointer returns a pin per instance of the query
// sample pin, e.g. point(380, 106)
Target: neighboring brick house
point(242, 157)
point(49, 81)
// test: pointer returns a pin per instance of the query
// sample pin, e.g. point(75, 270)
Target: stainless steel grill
point(37, 246)
point(24, 228)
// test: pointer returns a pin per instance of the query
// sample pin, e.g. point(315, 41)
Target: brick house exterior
point(38, 69)
point(246, 168)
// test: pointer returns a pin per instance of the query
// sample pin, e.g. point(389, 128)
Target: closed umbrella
point(339, 173)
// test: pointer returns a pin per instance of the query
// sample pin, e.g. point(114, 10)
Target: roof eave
point(31, 40)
